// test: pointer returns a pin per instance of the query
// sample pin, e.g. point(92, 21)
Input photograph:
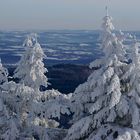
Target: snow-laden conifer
point(34, 111)
point(3, 74)
point(31, 70)
point(8, 128)
point(97, 102)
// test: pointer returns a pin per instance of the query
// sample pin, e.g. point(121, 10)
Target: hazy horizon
point(67, 15)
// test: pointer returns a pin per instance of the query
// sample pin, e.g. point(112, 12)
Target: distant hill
point(64, 77)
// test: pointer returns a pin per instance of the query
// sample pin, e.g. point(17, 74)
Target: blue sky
point(68, 14)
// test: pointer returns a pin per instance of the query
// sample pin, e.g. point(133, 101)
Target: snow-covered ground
point(76, 47)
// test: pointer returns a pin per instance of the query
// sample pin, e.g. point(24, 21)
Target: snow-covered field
point(76, 47)
point(64, 46)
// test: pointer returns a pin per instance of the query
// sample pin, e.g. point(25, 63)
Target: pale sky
point(68, 14)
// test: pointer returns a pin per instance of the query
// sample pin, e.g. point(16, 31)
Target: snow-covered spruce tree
point(109, 44)
point(132, 82)
point(17, 98)
point(12, 133)
point(101, 105)
point(53, 104)
point(48, 106)
point(30, 70)
point(8, 128)
point(34, 112)
point(3, 74)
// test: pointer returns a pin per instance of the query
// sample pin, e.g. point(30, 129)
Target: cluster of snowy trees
point(105, 107)
point(26, 112)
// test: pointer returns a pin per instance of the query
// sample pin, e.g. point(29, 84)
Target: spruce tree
point(3, 74)
point(31, 70)
point(101, 105)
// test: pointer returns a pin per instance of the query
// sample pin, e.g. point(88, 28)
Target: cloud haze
point(67, 14)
